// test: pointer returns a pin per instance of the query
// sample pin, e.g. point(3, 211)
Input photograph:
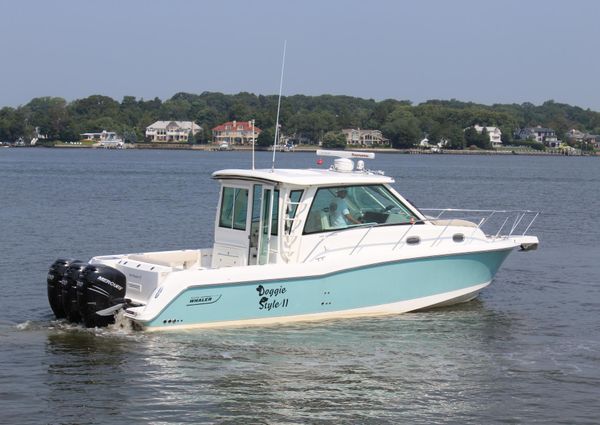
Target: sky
point(484, 51)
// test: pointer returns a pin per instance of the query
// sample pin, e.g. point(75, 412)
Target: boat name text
point(270, 292)
point(267, 297)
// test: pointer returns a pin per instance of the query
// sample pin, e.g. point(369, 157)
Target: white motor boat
point(297, 245)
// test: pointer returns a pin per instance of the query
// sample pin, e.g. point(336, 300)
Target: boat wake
point(122, 326)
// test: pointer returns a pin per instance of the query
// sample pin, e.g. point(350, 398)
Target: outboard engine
point(55, 276)
point(99, 288)
point(69, 290)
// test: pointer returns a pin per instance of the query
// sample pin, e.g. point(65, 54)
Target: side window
point(319, 218)
point(234, 207)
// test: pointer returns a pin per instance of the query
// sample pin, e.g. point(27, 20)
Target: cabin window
point(346, 206)
point(234, 207)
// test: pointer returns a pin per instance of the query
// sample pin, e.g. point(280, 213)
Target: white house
point(494, 134)
point(359, 137)
point(171, 131)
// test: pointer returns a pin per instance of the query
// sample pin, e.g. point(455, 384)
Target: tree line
point(308, 119)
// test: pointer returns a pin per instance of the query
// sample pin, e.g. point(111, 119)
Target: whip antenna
point(278, 108)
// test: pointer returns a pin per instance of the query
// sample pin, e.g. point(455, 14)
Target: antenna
point(278, 108)
point(253, 142)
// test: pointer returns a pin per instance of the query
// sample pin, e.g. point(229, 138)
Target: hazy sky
point(485, 51)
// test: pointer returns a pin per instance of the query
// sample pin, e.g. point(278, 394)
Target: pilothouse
point(297, 245)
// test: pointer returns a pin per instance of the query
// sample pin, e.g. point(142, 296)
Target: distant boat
point(112, 144)
point(283, 148)
point(224, 146)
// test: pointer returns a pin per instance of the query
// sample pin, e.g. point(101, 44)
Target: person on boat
point(339, 214)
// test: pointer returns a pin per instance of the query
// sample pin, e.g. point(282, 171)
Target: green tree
point(402, 128)
point(176, 109)
point(456, 137)
point(13, 124)
point(334, 139)
point(506, 137)
point(50, 114)
point(480, 140)
point(95, 106)
point(266, 137)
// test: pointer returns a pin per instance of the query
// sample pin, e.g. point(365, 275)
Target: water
point(527, 351)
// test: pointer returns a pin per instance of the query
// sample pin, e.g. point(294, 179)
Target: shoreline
point(413, 151)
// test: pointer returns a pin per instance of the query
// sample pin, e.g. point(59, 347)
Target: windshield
point(344, 206)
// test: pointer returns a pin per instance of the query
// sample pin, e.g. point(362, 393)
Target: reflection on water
point(416, 365)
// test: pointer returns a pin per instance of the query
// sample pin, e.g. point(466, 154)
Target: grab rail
point(486, 216)
point(479, 219)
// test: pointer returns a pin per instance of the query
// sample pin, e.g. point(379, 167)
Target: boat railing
point(491, 222)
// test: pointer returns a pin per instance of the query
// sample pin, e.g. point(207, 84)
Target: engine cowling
point(55, 276)
point(99, 287)
point(69, 290)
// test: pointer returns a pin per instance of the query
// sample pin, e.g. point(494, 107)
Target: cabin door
point(260, 226)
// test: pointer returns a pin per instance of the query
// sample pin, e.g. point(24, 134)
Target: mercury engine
point(85, 292)
point(69, 290)
point(100, 292)
point(55, 277)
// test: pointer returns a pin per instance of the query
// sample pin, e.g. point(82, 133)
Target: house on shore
point(171, 131)
point(235, 133)
point(579, 137)
point(361, 137)
point(493, 133)
point(540, 134)
point(575, 136)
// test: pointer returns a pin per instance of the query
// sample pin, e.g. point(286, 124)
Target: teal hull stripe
point(349, 289)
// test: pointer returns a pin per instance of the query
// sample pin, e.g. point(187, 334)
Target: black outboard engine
point(69, 290)
point(99, 287)
point(55, 276)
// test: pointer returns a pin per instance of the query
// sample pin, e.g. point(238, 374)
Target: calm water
point(527, 351)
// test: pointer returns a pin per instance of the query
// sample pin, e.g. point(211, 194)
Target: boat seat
point(454, 222)
point(317, 221)
point(324, 220)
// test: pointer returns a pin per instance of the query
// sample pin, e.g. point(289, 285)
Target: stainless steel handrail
point(480, 220)
point(486, 215)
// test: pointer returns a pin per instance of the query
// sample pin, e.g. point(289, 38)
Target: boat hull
point(388, 288)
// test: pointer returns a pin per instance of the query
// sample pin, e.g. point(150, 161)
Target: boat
point(296, 245)
point(115, 143)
